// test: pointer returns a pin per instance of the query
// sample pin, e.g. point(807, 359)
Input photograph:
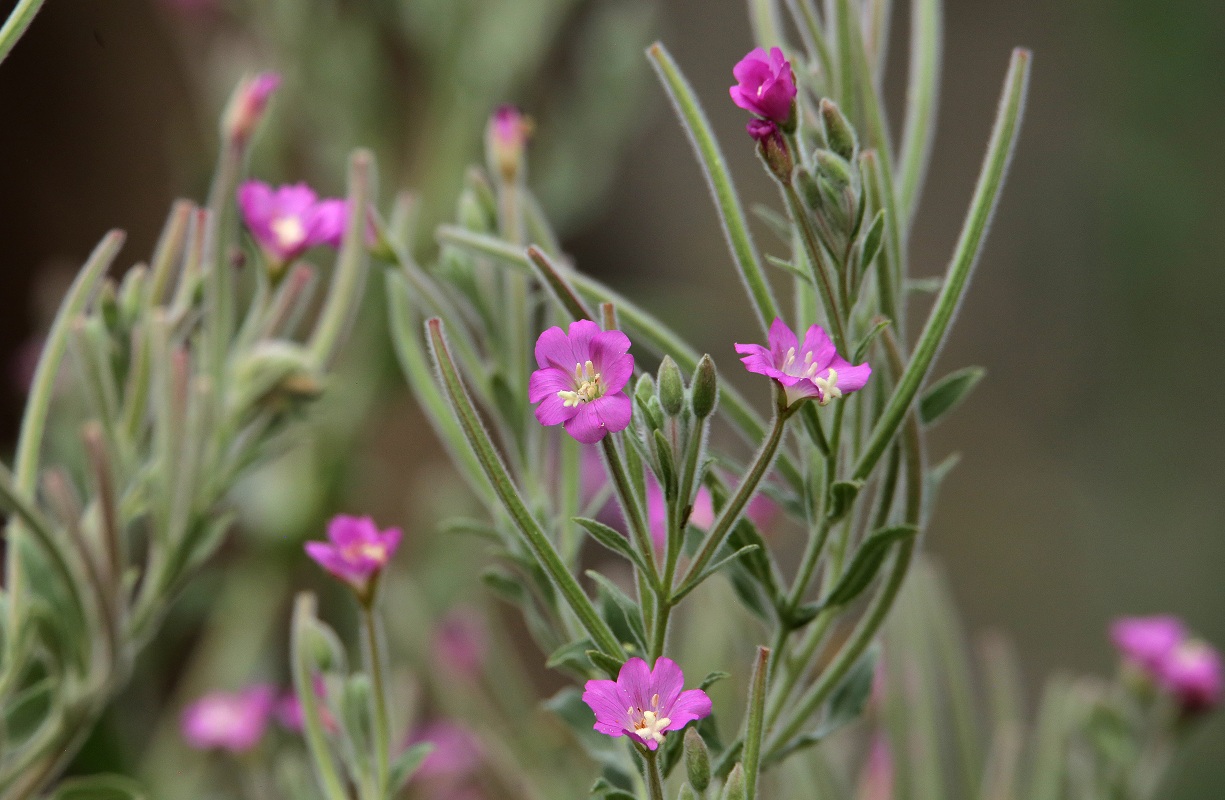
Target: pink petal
point(554, 411)
point(553, 350)
point(548, 382)
point(781, 340)
point(609, 703)
point(853, 378)
point(690, 705)
point(667, 681)
point(594, 420)
point(634, 680)
point(616, 372)
point(817, 342)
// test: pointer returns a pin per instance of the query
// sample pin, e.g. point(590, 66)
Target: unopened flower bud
point(644, 390)
point(734, 788)
point(108, 305)
point(686, 793)
point(705, 389)
point(247, 105)
point(472, 214)
point(839, 134)
point(697, 760)
point(834, 167)
point(671, 387)
point(275, 371)
point(772, 148)
point(506, 142)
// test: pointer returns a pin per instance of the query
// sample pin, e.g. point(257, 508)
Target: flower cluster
point(580, 381)
point(809, 370)
point(644, 703)
point(1159, 648)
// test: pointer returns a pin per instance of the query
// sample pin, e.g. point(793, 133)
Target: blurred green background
point(1091, 477)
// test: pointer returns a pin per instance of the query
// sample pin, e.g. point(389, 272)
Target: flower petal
point(690, 705)
point(667, 681)
point(635, 680)
point(553, 350)
point(852, 378)
point(610, 704)
point(604, 415)
point(554, 411)
point(781, 340)
point(616, 372)
point(817, 342)
point(548, 382)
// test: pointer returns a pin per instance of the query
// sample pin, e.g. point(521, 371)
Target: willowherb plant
point(532, 375)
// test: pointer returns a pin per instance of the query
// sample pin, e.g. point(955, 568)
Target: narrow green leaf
point(572, 655)
point(842, 496)
point(628, 609)
point(922, 99)
point(789, 268)
point(404, 765)
point(612, 539)
point(986, 197)
point(866, 563)
point(711, 569)
point(718, 178)
point(566, 296)
point(872, 240)
point(861, 349)
point(602, 661)
point(845, 706)
point(755, 727)
point(947, 393)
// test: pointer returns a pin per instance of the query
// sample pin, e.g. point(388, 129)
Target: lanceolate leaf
point(948, 392)
point(866, 563)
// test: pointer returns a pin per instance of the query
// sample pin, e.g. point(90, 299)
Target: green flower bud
point(838, 132)
point(671, 387)
point(644, 390)
point(734, 788)
point(687, 793)
point(705, 389)
point(697, 760)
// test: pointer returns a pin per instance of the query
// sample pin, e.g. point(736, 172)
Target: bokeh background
point(1091, 479)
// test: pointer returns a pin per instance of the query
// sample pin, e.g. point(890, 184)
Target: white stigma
point(289, 231)
point(828, 386)
point(587, 386)
point(651, 727)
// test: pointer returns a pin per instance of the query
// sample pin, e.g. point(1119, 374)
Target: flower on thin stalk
point(356, 551)
point(234, 722)
point(247, 105)
point(1159, 650)
point(766, 86)
point(580, 380)
point(644, 704)
point(506, 139)
point(289, 220)
point(809, 370)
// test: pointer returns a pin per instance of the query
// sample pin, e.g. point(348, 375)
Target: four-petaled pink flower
point(290, 220)
point(1192, 673)
point(580, 380)
point(643, 703)
point(248, 103)
point(813, 369)
point(356, 550)
point(228, 721)
point(766, 86)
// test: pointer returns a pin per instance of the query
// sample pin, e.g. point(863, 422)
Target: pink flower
point(248, 103)
point(457, 752)
point(763, 131)
point(290, 220)
point(356, 550)
point(812, 370)
point(225, 721)
point(580, 380)
point(644, 703)
point(460, 643)
point(1147, 642)
point(506, 139)
point(765, 85)
point(1192, 673)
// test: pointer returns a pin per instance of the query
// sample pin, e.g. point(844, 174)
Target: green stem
point(508, 494)
point(19, 19)
point(655, 782)
point(631, 507)
point(755, 730)
point(922, 97)
point(718, 178)
point(986, 196)
point(744, 492)
point(818, 263)
point(304, 686)
point(372, 652)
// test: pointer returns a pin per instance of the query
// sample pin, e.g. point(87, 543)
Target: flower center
point(828, 386)
point(649, 725)
point(290, 232)
point(588, 386)
point(375, 551)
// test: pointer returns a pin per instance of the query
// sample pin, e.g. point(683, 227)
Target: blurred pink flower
point(580, 380)
point(765, 85)
point(1192, 673)
point(248, 103)
point(289, 220)
point(506, 139)
point(460, 643)
point(813, 369)
point(356, 550)
point(228, 721)
point(1147, 642)
point(876, 781)
point(457, 752)
point(644, 703)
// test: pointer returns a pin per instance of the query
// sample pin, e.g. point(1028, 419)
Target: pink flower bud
point(766, 86)
point(247, 106)
point(1192, 673)
point(506, 141)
